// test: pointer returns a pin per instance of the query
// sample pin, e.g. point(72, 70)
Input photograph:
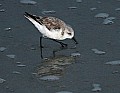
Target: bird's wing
point(52, 23)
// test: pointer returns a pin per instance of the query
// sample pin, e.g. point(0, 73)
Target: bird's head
point(69, 33)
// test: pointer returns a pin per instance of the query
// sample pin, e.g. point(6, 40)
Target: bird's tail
point(34, 17)
point(28, 15)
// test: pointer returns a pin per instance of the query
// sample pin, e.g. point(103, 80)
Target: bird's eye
point(69, 33)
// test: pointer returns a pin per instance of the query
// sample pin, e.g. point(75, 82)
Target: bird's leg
point(41, 46)
point(41, 42)
point(63, 45)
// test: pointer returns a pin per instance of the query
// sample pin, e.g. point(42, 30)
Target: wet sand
point(22, 40)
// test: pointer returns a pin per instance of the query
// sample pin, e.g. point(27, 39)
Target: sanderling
point(52, 28)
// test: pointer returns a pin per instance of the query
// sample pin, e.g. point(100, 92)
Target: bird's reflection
point(54, 66)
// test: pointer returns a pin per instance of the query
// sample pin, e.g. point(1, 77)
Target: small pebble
point(96, 51)
point(16, 72)
point(50, 78)
point(45, 58)
point(7, 29)
point(108, 42)
point(32, 48)
point(2, 10)
point(11, 56)
point(20, 65)
point(18, 62)
point(2, 80)
point(117, 62)
point(34, 73)
point(29, 2)
point(93, 8)
point(117, 9)
point(72, 7)
point(96, 88)
point(102, 15)
point(2, 49)
point(114, 72)
point(9, 89)
point(108, 20)
point(49, 12)
point(75, 54)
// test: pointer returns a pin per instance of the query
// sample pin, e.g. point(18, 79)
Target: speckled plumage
point(51, 27)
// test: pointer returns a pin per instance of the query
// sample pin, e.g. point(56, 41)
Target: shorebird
point(52, 28)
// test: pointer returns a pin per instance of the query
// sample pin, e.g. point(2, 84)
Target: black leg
point(41, 46)
point(41, 42)
point(63, 45)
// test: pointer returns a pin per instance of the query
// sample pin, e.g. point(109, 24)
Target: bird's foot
point(64, 46)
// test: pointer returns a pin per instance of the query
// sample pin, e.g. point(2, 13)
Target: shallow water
point(53, 68)
point(21, 66)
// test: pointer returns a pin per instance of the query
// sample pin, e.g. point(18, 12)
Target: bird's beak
point(74, 40)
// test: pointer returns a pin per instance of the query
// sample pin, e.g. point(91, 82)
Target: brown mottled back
point(52, 22)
